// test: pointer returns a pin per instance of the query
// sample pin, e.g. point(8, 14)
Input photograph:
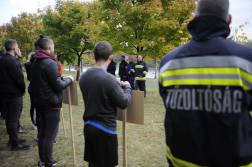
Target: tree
point(239, 36)
point(148, 27)
point(66, 26)
point(24, 29)
point(248, 43)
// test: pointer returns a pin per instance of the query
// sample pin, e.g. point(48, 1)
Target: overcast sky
point(241, 11)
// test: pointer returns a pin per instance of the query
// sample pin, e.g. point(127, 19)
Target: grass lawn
point(145, 143)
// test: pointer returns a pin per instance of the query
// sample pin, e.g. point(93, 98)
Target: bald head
point(213, 7)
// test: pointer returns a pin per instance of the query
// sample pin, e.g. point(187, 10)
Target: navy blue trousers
point(132, 82)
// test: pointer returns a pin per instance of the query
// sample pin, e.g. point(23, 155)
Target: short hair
point(44, 41)
point(3, 50)
point(123, 56)
point(213, 7)
point(102, 50)
point(36, 44)
point(9, 44)
point(131, 58)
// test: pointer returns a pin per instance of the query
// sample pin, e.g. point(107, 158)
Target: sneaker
point(20, 141)
point(22, 130)
point(20, 147)
point(34, 127)
point(42, 164)
point(54, 142)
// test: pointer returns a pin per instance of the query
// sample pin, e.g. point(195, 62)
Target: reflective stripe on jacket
point(141, 69)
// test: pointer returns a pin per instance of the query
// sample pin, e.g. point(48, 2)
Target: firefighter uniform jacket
point(123, 68)
point(112, 68)
point(141, 69)
point(206, 89)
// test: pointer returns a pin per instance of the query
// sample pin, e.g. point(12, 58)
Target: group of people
point(205, 84)
point(134, 73)
point(45, 89)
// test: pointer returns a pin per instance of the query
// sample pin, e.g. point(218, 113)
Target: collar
point(208, 27)
point(103, 69)
point(42, 54)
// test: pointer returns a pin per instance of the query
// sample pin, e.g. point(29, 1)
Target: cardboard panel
point(77, 68)
point(135, 111)
point(73, 93)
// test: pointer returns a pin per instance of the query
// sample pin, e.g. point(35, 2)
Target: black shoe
point(42, 164)
point(20, 141)
point(19, 147)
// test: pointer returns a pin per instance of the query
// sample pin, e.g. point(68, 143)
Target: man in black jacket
point(102, 95)
point(2, 103)
point(12, 88)
point(47, 86)
point(123, 69)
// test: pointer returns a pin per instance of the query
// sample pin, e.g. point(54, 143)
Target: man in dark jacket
point(131, 72)
point(47, 86)
point(141, 69)
point(206, 88)
point(112, 67)
point(123, 69)
point(12, 88)
point(2, 52)
point(2, 103)
point(34, 113)
point(102, 95)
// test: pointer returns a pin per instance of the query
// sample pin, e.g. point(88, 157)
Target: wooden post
point(64, 128)
point(71, 123)
point(124, 121)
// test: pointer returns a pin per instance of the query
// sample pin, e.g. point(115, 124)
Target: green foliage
point(66, 26)
point(24, 29)
point(239, 36)
point(150, 27)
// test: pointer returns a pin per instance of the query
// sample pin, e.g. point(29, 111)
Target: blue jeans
point(49, 124)
point(13, 107)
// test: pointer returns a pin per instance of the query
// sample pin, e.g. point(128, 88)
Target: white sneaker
point(34, 127)
point(22, 130)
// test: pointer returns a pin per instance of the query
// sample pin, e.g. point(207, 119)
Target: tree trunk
point(69, 67)
point(78, 71)
point(156, 64)
point(81, 66)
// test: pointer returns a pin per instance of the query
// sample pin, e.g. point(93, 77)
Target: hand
point(125, 83)
point(124, 76)
point(129, 72)
point(69, 77)
point(24, 93)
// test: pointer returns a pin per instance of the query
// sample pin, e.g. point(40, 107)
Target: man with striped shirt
point(206, 86)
